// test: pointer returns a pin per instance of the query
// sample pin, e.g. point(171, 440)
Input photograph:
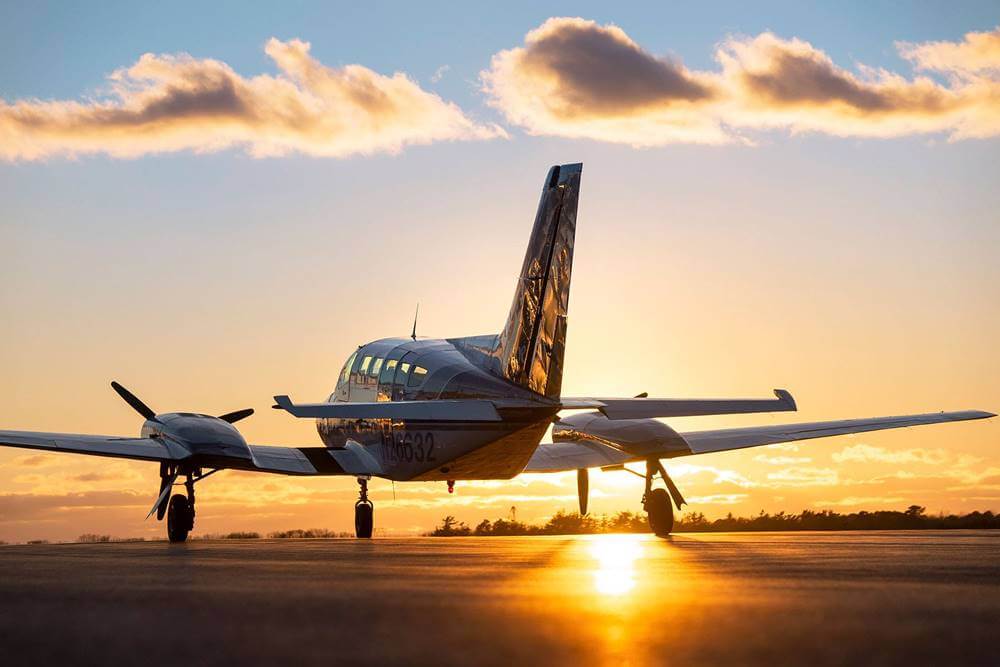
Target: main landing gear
point(656, 502)
point(364, 511)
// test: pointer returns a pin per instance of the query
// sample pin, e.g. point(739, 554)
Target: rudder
point(531, 347)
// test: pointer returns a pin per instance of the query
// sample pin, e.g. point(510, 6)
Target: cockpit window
point(363, 368)
point(346, 373)
point(388, 371)
point(376, 367)
point(417, 377)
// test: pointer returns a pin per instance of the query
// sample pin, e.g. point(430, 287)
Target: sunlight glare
point(616, 556)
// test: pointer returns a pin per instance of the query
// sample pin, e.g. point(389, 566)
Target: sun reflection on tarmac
point(603, 590)
point(616, 557)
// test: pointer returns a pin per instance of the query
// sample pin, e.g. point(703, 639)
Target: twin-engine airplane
point(462, 408)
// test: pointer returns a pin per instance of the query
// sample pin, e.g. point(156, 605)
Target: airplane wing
point(142, 449)
point(738, 438)
point(263, 458)
point(640, 407)
point(597, 446)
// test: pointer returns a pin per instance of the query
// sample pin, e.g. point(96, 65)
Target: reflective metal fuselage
point(400, 369)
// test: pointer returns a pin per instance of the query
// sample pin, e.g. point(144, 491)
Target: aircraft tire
point(364, 518)
point(180, 518)
point(659, 512)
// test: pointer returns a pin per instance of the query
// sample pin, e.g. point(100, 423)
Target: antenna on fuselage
point(414, 334)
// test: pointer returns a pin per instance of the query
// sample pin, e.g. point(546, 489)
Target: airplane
point(469, 408)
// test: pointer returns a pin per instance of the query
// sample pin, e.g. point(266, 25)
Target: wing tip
point(785, 397)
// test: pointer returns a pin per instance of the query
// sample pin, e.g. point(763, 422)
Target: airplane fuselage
point(402, 369)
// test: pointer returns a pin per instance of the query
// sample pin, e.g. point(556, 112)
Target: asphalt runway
point(751, 598)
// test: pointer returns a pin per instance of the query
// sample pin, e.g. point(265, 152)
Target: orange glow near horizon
point(861, 274)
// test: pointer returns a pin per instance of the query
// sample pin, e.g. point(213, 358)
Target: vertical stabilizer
point(530, 349)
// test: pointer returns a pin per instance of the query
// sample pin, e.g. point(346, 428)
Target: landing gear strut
point(656, 502)
point(364, 511)
point(180, 512)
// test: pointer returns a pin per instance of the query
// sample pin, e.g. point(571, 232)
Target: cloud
point(804, 476)
point(852, 501)
point(22, 506)
point(439, 73)
point(978, 51)
point(166, 103)
point(781, 460)
point(575, 78)
point(719, 499)
point(34, 460)
point(869, 454)
point(690, 471)
point(779, 83)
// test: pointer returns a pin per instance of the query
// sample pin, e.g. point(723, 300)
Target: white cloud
point(576, 78)
point(166, 103)
point(870, 454)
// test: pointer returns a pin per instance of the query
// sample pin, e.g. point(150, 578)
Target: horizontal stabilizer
point(642, 408)
point(460, 411)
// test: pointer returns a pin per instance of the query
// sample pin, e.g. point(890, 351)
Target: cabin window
point(346, 373)
point(404, 368)
point(376, 367)
point(417, 377)
point(363, 368)
point(388, 371)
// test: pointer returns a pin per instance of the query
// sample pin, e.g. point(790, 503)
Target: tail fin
point(530, 348)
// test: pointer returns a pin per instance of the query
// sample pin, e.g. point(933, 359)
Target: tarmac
point(893, 598)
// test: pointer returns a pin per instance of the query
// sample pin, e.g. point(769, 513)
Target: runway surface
point(750, 598)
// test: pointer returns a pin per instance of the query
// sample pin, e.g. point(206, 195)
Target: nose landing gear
point(180, 518)
point(180, 513)
point(179, 510)
point(364, 511)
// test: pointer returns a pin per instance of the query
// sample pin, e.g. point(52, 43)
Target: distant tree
point(567, 523)
point(451, 527)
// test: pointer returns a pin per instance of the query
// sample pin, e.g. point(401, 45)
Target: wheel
point(659, 511)
point(180, 518)
point(364, 518)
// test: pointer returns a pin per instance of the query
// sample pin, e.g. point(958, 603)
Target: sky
point(214, 205)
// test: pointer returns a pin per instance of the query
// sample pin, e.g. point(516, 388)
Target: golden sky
point(837, 241)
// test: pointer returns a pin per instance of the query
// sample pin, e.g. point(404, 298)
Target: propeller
point(236, 415)
point(134, 401)
point(147, 412)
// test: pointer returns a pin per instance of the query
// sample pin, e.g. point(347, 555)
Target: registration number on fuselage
point(417, 446)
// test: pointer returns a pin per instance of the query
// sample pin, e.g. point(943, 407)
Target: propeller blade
point(166, 484)
point(132, 400)
point(583, 488)
point(235, 416)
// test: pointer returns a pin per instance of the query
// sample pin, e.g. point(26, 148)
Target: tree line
point(914, 517)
